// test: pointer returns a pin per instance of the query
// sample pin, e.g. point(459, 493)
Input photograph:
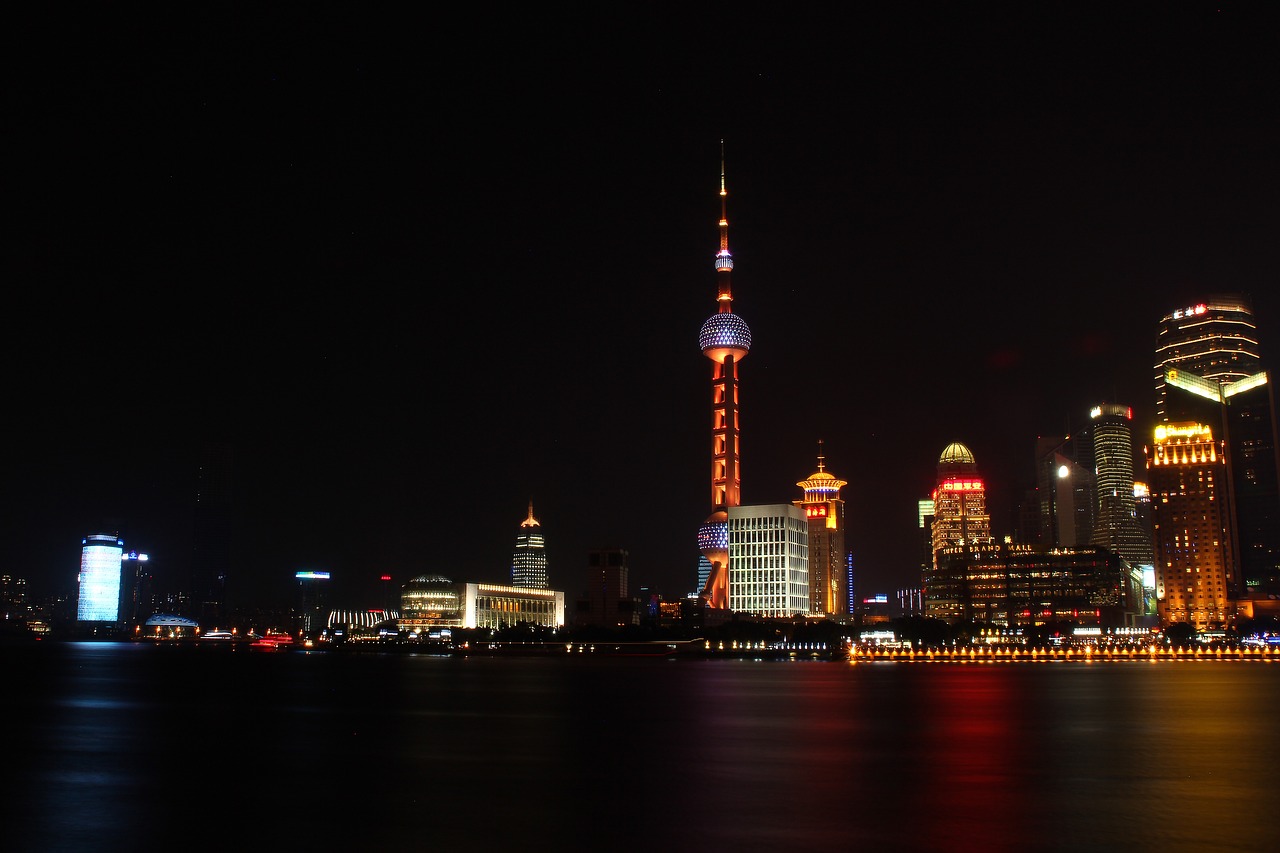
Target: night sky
point(420, 272)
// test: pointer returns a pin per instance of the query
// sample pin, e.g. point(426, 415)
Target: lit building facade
point(529, 561)
point(924, 525)
point(1215, 340)
point(1007, 585)
point(430, 602)
point(1142, 509)
point(959, 519)
point(101, 579)
point(1210, 370)
point(959, 501)
point(725, 339)
point(769, 560)
point(494, 606)
point(1194, 562)
point(1116, 524)
point(829, 575)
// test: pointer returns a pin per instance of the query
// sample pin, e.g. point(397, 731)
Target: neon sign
point(962, 486)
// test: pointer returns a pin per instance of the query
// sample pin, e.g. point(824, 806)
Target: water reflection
point(128, 747)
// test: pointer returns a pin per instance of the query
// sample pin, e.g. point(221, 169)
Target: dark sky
point(418, 272)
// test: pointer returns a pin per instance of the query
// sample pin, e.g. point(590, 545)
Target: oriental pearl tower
point(725, 339)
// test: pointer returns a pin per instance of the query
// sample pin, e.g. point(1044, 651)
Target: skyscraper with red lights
point(725, 339)
point(959, 501)
point(960, 525)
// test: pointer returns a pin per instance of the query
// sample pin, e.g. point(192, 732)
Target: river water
point(133, 747)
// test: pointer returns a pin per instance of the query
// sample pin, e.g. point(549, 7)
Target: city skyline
point(414, 296)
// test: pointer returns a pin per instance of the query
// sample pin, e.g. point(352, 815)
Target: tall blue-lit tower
point(725, 339)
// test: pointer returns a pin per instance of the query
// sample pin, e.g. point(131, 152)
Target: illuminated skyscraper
point(959, 521)
point(1194, 563)
point(824, 510)
point(1209, 369)
point(959, 501)
point(1216, 341)
point(1116, 525)
point(529, 561)
point(725, 339)
point(100, 579)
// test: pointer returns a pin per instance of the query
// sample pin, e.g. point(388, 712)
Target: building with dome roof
point(959, 519)
point(973, 578)
point(959, 500)
point(430, 601)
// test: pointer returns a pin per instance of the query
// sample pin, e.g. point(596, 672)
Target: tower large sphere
point(713, 538)
point(723, 335)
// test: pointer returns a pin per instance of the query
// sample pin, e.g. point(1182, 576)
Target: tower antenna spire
point(724, 260)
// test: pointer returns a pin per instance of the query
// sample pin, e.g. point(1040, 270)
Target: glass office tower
point(101, 555)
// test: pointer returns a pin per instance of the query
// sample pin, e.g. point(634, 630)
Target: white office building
point(769, 560)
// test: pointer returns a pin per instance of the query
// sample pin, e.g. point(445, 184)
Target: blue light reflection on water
point(124, 746)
